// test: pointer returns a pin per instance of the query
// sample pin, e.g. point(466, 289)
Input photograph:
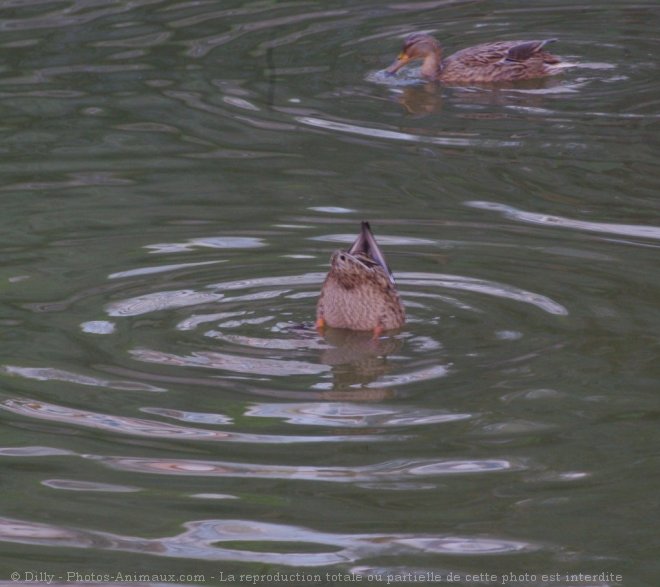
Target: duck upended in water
point(500, 61)
point(359, 292)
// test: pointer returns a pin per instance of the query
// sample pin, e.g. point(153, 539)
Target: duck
point(359, 292)
point(499, 61)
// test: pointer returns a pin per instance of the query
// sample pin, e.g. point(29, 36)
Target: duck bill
point(398, 63)
point(366, 244)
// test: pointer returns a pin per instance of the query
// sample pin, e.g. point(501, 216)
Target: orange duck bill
point(397, 64)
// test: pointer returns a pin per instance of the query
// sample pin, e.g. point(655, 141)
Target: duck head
point(419, 46)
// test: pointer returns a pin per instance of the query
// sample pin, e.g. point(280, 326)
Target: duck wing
point(490, 53)
point(524, 50)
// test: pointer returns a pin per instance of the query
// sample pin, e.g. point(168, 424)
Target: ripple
point(76, 485)
point(265, 343)
point(162, 300)
point(344, 361)
point(25, 532)
point(65, 16)
point(398, 474)
point(201, 46)
point(34, 451)
point(383, 239)
point(634, 230)
point(194, 417)
point(153, 429)
point(410, 76)
point(140, 40)
point(491, 288)
point(419, 374)
point(50, 374)
point(229, 362)
point(203, 540)
point(345, 414)
point(75, 180)
point(332, 209)
point(213, 496)
point(160, 269)
point(284, 280)
point(382, 133)
point(97, 327)
point(383, 475)
point(215, 242)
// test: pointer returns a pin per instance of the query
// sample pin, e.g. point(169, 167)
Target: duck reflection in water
point(358, 361)
point(421, 100)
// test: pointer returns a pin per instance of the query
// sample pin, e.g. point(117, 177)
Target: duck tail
point(366, 244)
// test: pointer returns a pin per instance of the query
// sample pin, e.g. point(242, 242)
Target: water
point(175, 178)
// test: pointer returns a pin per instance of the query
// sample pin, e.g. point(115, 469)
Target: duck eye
point(342, 257)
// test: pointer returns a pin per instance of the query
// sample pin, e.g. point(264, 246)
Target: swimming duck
point(501, 61)
point(359, 292)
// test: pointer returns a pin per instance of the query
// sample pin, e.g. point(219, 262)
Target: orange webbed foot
point(320, 324)
point(377, 332)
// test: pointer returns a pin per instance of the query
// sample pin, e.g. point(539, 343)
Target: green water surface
point(175, 176)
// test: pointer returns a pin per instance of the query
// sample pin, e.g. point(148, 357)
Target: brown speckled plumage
point(359, 292)
point(501, 61)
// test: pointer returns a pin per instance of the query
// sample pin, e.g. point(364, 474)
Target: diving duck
point(501, 61)
point(359, 292)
